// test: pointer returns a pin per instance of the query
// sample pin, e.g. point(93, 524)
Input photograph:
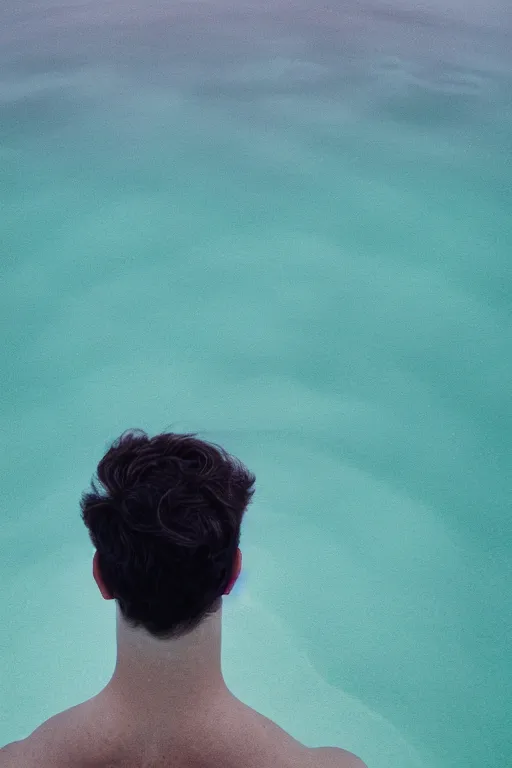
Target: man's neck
point(154, 676)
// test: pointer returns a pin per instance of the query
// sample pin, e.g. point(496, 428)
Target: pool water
point(286, 227)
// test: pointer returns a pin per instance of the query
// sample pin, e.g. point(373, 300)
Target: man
point(165, 521)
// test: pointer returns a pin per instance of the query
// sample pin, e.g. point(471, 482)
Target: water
point(287, 227)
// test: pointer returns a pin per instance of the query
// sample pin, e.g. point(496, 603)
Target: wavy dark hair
point(166, 524)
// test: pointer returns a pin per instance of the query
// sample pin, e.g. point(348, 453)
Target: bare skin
point(167, 706)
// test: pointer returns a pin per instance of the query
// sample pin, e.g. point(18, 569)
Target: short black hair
point(166, 524)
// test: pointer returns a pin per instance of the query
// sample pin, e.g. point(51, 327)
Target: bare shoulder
point(335, 757)
point(49, 744)
point(9, 755)
point(68, 738)
point(290, 751)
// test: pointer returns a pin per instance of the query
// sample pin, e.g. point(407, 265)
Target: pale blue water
point(288, 228)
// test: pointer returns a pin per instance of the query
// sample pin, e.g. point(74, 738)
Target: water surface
point(288, 228)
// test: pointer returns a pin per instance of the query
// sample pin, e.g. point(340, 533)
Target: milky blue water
point(287, 227)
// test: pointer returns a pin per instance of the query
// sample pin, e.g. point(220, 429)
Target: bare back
point(88, 737)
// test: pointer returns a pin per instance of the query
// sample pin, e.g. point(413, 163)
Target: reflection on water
point(288, 229)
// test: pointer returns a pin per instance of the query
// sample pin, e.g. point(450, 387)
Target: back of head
point(165, 519)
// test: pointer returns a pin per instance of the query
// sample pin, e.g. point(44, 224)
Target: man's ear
point(97, 578)
point(237, 567)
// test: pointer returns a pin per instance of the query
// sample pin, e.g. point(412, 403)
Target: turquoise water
point(287, 228)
